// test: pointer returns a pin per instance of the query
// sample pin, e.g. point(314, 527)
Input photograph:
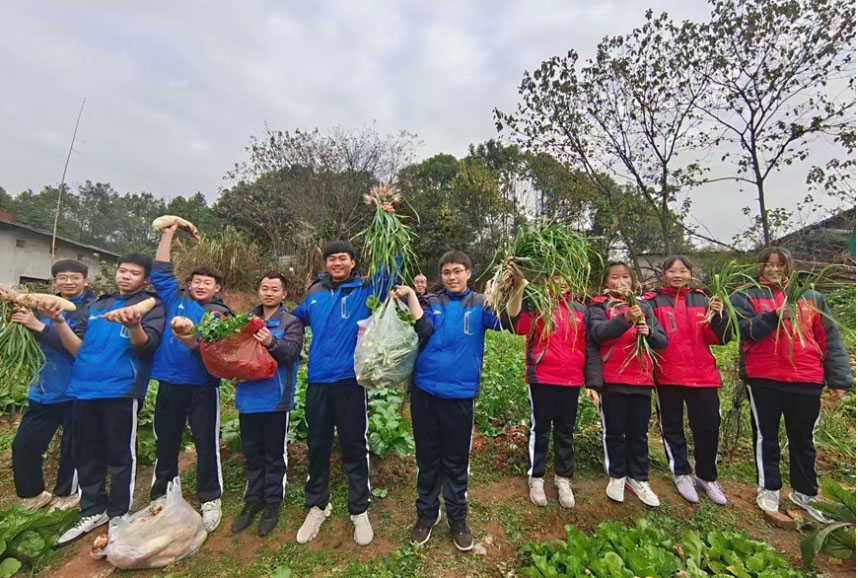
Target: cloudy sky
point(174, 89)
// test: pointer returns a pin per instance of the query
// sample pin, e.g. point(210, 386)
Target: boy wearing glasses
point(50, 405)
point(446, 381)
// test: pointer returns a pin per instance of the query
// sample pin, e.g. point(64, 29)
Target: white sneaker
point(363, 529)
point(211, 514)
point(768, 500)
point(310, 528)
point(686, 489)
point(564, 492)
point(616, 489)
point(807, 503)
point(713, 491)
point(36, 502)
point(84, 526)
point(64, 503)
point(537, 491)
point(643, 492)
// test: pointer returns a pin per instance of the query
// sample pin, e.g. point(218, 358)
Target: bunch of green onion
point(723, 281)
point(553, 258)
point(387, 238)
point(642, 349)
point(21, 358)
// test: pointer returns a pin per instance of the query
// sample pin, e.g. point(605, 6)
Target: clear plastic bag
point(386, 349)
point(155, 536)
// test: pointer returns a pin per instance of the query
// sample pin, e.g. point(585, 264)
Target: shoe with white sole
point(363, 529)
point(564, 492)
point(685, 487)
point(84, 526)
point(713, 491)
point(422, 530)
point(212, 514)
point(312, 523)
point(644, 492)
point(768, 500)
point(537, 491)
point(807, 504)
point(64, 503)
point(616, 489)
point(36, 502)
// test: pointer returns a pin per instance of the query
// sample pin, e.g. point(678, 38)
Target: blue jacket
point(275, 393)
point(107, 365)
point(53, 381)
point(332, 310)
point(450, 364)
point(174, 362)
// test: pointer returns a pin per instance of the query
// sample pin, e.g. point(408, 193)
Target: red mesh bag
point(238, 357)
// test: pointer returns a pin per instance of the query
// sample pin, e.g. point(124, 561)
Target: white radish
point(142, 308)
point(181, 325)
point(42, 301)
point(165, 221)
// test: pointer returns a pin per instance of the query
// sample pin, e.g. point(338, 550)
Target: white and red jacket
point(558, 358)
point(615, 337)
point(687, 359)
point(778, 354)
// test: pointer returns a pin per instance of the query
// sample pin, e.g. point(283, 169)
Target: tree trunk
point(764, 215)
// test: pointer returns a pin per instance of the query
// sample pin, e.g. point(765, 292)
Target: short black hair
point(628, 268)
point(69, 266)
point(138, 259)
point(455, 257)
point(274, 275)
point(668, 263)
point(338, 247)
point(206, 271)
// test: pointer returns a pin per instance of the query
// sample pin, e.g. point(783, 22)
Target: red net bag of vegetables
point(229, 350)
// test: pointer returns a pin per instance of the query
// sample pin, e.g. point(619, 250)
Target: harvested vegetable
point(182, 325)
point(165, 221)
point(553, 258)
point(43, 300)
point(724, 280)
point(230, 351)
point(142, 308)
point(21, 358)
point(642, 350)
point(214, 328)
point(387, 238)
point(386, 349)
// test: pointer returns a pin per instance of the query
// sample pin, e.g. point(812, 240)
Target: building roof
point(13, 223)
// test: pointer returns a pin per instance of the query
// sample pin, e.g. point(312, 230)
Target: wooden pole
point(62, 184)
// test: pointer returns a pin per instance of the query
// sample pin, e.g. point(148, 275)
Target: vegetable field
point(515, 538)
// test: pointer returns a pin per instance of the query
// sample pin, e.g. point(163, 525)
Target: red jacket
point(560, 357)
point(687, 359)
point(616, 337)
point(776, 354)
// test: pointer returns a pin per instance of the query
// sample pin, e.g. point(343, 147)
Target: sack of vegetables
point(387, 346)
point(229, 350)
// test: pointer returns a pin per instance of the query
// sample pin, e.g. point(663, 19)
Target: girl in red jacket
point(555, 373)
point(785, 373)
point(625, 382)
point(685, 373)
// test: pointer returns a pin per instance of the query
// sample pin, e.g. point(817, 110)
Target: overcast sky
point(174, 89)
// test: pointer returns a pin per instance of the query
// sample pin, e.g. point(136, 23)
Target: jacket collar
point(353, 280)
point(684, 290)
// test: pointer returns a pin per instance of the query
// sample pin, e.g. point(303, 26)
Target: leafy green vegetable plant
point(837, 539)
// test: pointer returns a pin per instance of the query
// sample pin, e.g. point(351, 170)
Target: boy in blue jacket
point(263, 409)
point(50, 405)
point(108, 382)
point(187, 393)
point(446, 381)
point(334, 305)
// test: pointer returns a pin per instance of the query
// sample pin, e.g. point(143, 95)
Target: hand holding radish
point(264, 336)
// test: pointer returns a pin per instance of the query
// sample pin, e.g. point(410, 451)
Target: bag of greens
point(387, 346)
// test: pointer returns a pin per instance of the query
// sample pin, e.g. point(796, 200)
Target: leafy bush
point(29, 537)
point(837, 539)
point(503, 395)
point(614, 551)
point(241, 260)
point(388, 430)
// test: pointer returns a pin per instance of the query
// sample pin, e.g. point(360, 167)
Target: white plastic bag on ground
point(155, 536)
point(386, 349)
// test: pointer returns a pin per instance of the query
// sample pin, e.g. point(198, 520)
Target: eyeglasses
point(67, 278)
point(449, 272)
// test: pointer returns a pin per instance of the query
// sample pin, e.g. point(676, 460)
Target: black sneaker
point(245, 517)
point(269, 519)
point(422, 530)
point(462, 537)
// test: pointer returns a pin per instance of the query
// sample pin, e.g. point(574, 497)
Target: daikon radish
point(142, 308)
point(42, 300)
point(165, 221)
point(182, 325)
